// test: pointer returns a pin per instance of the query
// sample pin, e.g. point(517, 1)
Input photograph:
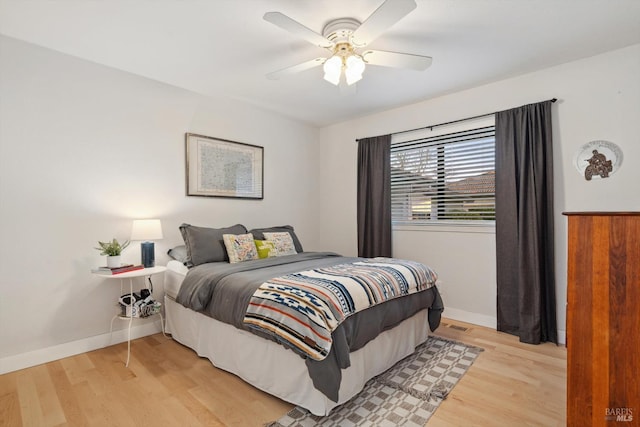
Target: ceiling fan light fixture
point(344, 37)
point(352, 78)
point(354, 67)
point(332, 78)
point(332, 69)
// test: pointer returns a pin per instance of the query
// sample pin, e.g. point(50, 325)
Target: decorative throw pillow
point(205, 244)
point(240, 247)
point(266, 249)
point(283, 242)
point(258, 233)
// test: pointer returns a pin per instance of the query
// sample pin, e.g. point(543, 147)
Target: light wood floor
point(167, 384)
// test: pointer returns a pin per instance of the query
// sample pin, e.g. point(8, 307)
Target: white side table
point(130, 275)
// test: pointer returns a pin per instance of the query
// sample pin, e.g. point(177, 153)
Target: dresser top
point(602, 213)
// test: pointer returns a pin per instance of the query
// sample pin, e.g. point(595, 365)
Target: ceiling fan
point(346, 39)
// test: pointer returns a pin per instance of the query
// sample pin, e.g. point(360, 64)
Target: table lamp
point(146, 230)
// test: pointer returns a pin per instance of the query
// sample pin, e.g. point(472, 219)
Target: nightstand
point(130, 276)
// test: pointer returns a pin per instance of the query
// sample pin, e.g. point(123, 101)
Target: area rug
point(406, 395)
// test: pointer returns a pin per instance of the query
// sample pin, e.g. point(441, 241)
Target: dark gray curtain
point(524, 223)
point(374, 196)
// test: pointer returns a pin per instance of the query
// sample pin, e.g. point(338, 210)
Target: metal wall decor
point(598, 159)
point(598, 165)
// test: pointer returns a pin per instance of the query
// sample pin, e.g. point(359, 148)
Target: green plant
point(113, 248)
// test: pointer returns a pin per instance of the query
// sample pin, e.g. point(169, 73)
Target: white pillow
point(283, 242)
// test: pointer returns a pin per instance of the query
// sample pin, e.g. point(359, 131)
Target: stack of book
point(116, 270)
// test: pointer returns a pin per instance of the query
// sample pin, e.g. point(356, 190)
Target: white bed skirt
point(279, 371)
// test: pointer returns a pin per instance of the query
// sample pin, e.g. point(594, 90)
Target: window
point(448, 178)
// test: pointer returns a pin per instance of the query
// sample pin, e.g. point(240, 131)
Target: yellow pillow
point(266, 249)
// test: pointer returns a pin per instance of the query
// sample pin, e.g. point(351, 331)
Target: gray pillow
point(258, 234)
point(205, 244)
point(179, 253)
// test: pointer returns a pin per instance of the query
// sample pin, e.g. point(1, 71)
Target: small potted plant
point(112, 250)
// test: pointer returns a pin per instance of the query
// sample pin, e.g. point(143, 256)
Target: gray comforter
point(223, 290)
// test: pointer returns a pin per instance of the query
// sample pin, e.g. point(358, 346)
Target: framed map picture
point(221, 168)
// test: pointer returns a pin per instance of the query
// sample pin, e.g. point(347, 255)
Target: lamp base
point(148, 254)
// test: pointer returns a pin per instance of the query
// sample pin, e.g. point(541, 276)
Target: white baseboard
point(56, 352)
point(469, 317)
point(484, 320)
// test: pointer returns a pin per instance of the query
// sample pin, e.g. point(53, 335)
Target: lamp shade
point(354, 69)
point(332, 69)
point(146, 229)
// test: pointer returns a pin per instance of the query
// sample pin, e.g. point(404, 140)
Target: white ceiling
point(224, 47)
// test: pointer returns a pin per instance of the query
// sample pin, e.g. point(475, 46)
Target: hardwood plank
point(178, 414)
point(49, 404)
point(76, 366)
point(580, 324)
point(10, 405)
point(73, 411)
point(599, 313)
point(199, 411)
point(614, 346)
point(105, 410)
point(30, 410)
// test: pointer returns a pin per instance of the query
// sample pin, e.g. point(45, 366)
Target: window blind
point(447, 178)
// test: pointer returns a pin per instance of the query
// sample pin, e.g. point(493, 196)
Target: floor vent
point(459, 328)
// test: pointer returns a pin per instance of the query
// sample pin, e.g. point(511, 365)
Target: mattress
point(173, 277)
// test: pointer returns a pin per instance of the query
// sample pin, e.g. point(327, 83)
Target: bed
point(365, 343)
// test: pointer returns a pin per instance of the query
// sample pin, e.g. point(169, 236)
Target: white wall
point(599, 99)
point(84, 149)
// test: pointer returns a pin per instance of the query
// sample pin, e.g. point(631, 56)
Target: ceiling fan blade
point(283, 21)
point(397, 60)
point(389, 12)
point(296, 68)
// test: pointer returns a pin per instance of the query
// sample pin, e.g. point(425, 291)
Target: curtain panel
point(526, 302)
point(374, 196)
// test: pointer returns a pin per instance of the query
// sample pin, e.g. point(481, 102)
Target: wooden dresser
point(603, 319)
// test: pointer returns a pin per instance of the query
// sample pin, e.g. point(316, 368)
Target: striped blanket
point(302, 309)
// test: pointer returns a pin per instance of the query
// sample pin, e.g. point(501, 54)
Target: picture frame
point(218, 167)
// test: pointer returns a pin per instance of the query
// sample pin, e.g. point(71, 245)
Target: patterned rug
point(405, 395)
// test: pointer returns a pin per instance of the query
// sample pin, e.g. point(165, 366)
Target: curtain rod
point(447, 123)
